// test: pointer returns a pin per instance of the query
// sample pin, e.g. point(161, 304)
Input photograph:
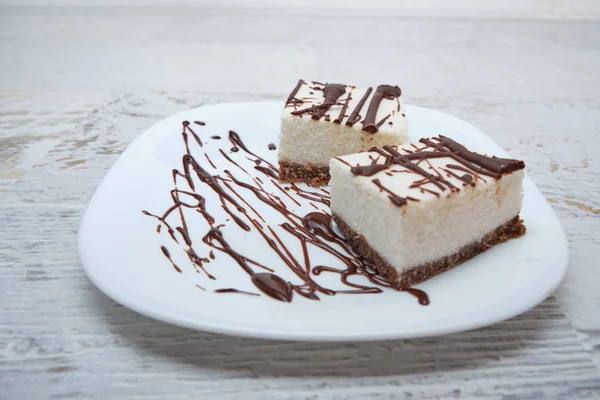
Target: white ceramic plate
point(121, 250)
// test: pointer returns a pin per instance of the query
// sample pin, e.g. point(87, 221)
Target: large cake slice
point(324, 120)
point(415, 211)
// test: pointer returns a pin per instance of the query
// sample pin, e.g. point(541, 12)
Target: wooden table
point(77, 85)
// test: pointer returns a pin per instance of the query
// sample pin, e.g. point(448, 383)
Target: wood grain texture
point(77, 86)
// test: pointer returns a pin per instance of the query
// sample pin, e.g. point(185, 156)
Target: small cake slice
point(418, 210)
point(324, 120)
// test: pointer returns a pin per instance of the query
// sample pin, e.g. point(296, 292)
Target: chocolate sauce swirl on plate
point(238, 195)
point(232, 290)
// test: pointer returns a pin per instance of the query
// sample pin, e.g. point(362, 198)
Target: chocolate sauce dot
point(272, 146)
point(215, 137)
point(422, 297)
point(235, 149)
point(272, 285)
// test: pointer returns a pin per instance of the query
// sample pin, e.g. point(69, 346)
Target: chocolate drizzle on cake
point(397, 200)
point(472, 165)
point(383, 91)
point(405, 161)
point(368, 170)
point(457, 157)
point(342, 115)
point(238, 198)
point(292, 97)
point(342, 161)
point(382, 121)
point(493, 164)
point(332, 96)
point(332, 92)
point(355, 115)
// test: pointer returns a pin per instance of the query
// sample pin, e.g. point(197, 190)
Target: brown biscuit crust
point(412, 276)
point(314, 175)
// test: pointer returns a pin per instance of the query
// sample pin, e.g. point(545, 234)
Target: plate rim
point(149, 307)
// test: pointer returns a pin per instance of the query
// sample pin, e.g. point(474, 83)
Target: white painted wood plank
point(492, 61)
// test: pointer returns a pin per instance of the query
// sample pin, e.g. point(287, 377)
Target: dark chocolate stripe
point(397, 200)
point(498, 165)
point(466, 178)
point(383, 120)
point(316, 107)
point(465, 169)
point(354, 117)
point(471, 166)
point(368, 170)
point(405, 162)
point(340, 118)
point(292, 96)
point(422, 155)
point(332, 92)
point(383, 91)
point(342, 161)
